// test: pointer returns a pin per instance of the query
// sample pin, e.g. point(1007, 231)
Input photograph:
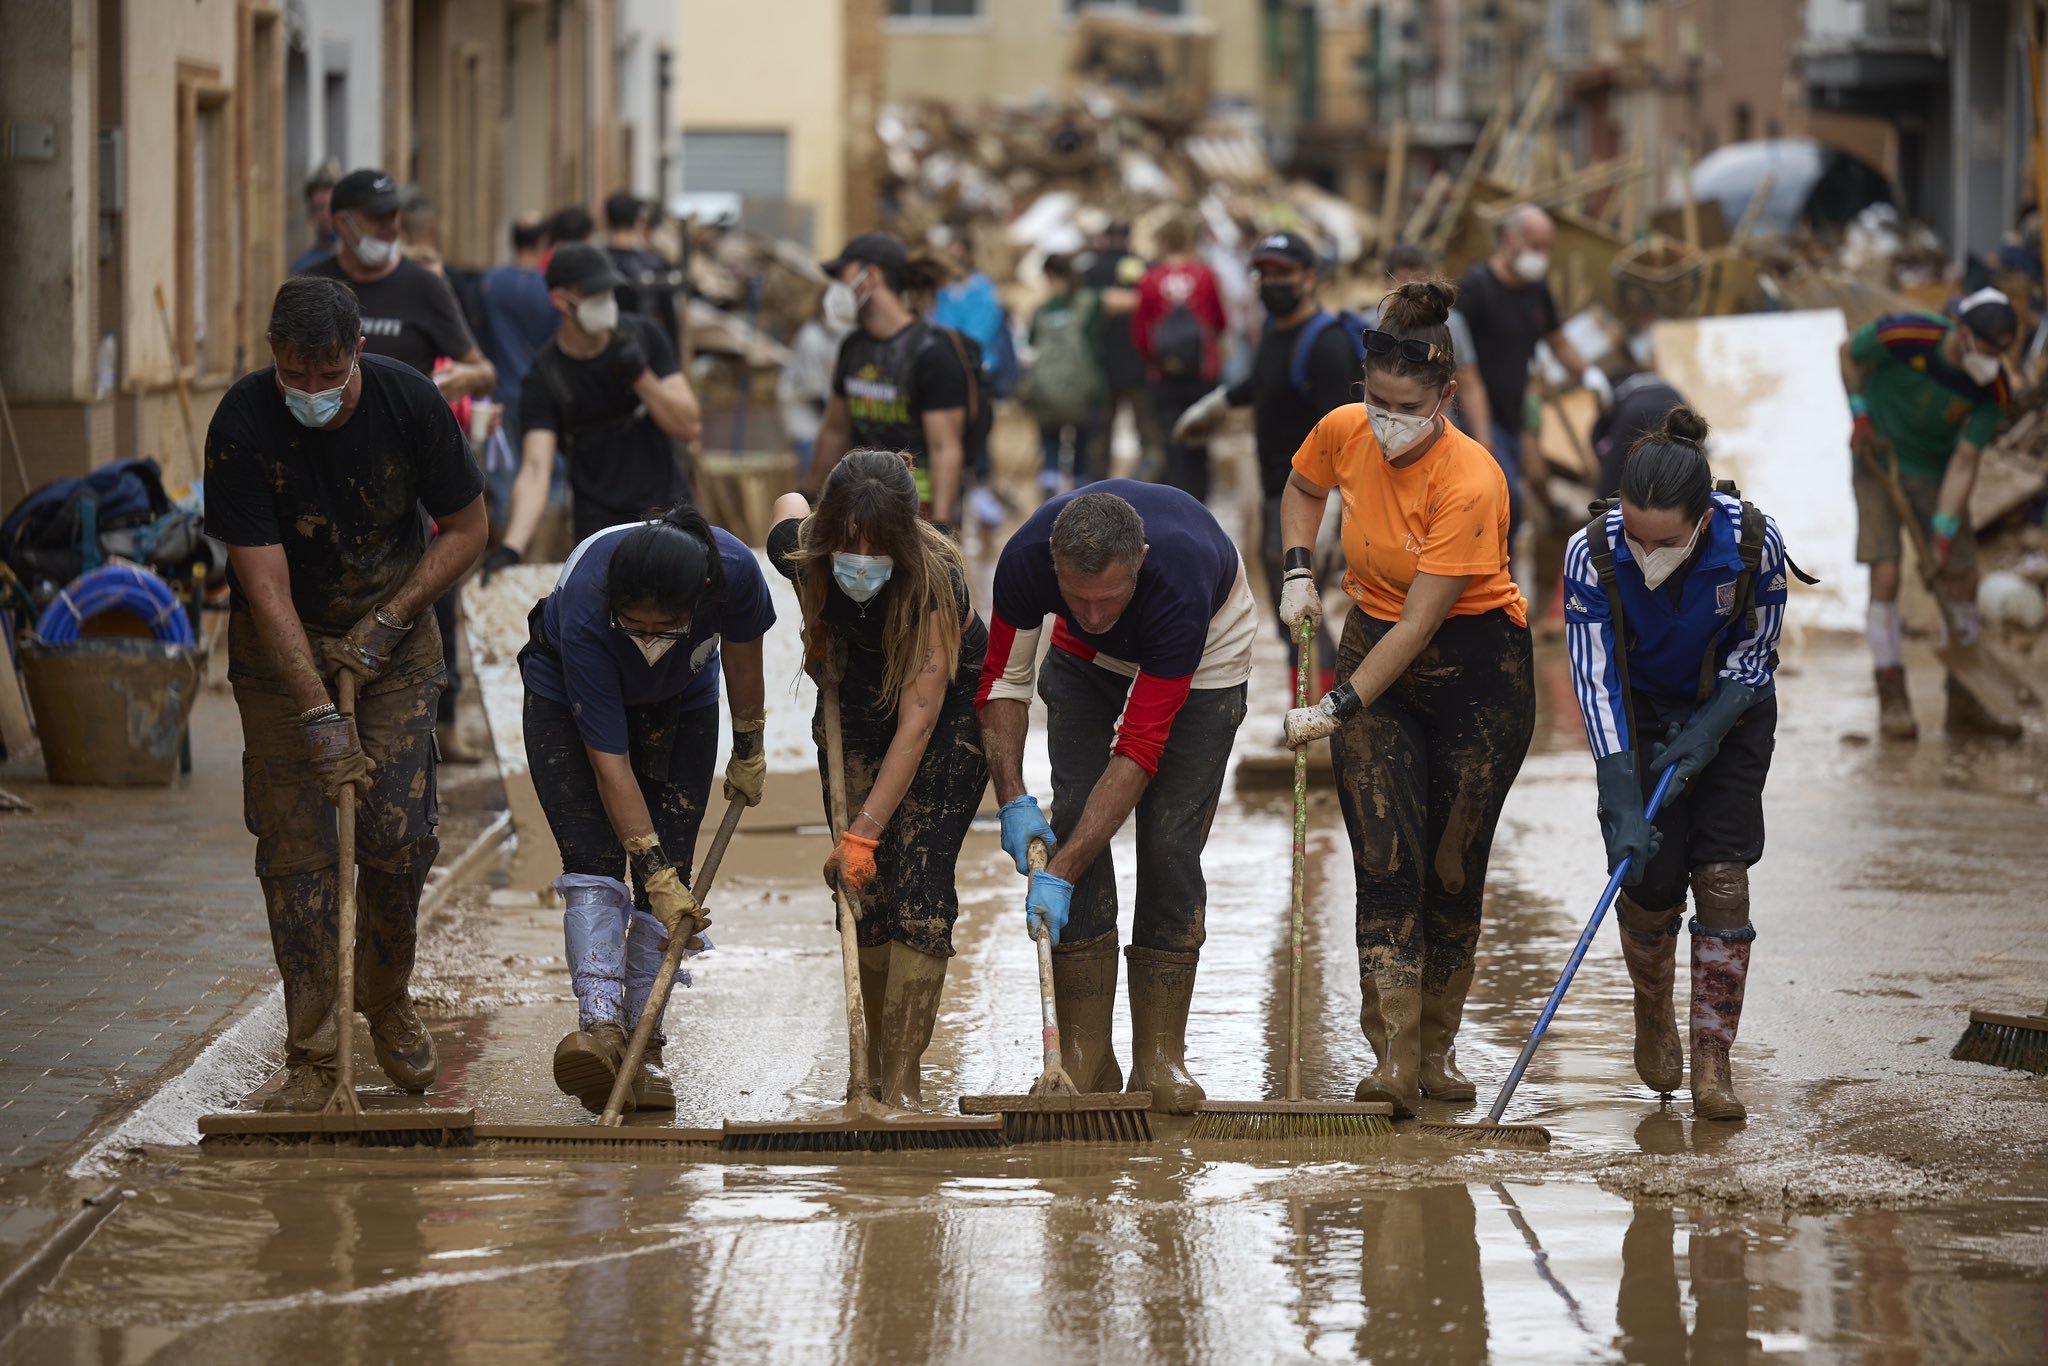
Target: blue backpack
point(54, 533)
point(1354, 329)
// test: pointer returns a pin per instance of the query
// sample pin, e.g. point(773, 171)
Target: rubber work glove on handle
point(676, 908)
point(336, 754)
point(1622, 827)
point(1045, 908)
point(1299, 600)
point(1693, 745)
point(746, 772)
point(1305, 725)
point(367, 648)
point(1023, 822)
point(851, 864)
point(1196, 425)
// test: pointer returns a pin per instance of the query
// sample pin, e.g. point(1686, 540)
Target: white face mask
point(1660, 564)
point(598, 313)
point(1532, 265)
point(1641, 349)
point(842, 306)
point(652, 650)
point(1398, 433)
point(375, 252)
point(1980, 367)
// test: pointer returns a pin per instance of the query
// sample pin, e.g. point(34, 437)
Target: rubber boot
point(1084, 1002)
point(652, 1089)
point(1649, 945)
point(387, 905)
point(1390, 1017)
point(1441, 1014)
point(874, 993)
point(1894, 708)
point(587, 1063)
point(301, 908)
point(909, 1010)
point(1162, 985)
point(1967, 716)
point(1720, 967)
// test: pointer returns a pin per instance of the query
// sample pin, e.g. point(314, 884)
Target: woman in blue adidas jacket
point(1674, 651)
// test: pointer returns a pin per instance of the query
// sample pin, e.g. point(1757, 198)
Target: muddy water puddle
point(1011, 1256)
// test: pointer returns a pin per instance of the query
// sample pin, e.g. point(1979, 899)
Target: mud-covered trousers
point(1422, 775)
point(1083, 702)
point(615, 945)
point(914, 897)
point(293, 821)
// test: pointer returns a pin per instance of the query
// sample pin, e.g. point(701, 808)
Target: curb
point(27, 1280)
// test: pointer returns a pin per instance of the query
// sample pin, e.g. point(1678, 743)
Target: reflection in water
point(1419, 1278)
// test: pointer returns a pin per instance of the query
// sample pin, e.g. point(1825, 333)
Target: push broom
point(343, 1120)
point(2018, 1042)
point(1490, 1131)
point(863, 1124)
point(1291, 1117)
point(1055, 1109)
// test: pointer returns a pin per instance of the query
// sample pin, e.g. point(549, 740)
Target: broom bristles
point(1077, 1126)
point(1489, 1135)
point(2014, 1047)
point(1255, 1125)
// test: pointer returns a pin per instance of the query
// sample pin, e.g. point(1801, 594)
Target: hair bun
point(1419, 304)
point(1683, 424)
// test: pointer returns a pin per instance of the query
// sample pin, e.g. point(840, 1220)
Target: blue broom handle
point(1571, 966)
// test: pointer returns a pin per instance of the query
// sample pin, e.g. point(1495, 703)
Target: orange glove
point(852, 864)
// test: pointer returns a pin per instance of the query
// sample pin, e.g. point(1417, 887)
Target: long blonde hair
point(870, 494)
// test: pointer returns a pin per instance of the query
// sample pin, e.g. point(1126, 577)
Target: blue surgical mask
point(860, 577)
point(316, 410)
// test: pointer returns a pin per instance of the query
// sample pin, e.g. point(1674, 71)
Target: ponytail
point(1668, 468)
point(671, 565)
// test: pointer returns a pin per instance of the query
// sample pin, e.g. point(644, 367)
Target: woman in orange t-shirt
point(1438, 701)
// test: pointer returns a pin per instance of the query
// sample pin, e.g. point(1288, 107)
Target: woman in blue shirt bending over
point(621, 724)
point(1674, 597)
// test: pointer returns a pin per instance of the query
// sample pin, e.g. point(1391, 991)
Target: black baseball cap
point(884, 249)
point(365, 191)
point(583, 266)
point(1285, 246)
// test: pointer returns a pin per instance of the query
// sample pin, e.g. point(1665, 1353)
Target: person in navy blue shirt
point(1674, 659)
point(621, 724)
point(1144, 689)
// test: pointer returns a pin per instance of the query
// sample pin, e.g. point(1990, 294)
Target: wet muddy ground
point(1882, 1202)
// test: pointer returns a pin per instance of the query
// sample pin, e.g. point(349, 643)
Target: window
point(206, 246)
point(1172, 9)
point(936, 11)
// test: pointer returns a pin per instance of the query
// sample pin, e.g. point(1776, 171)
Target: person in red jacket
point(1177, 325)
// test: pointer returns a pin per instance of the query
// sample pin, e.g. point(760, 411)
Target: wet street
point(1881, 1203)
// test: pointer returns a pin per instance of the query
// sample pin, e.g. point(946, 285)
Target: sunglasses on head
point(1410, 349)
point(630, 633)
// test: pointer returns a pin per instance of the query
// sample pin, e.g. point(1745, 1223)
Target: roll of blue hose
point(115, 588)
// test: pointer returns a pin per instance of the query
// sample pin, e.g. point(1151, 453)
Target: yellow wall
point(1020, 49)
point(773, 64)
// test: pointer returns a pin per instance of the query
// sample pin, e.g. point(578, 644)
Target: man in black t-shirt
point(1113, 273)
point(607, 393)
point(1287, 392)
point(321, 474)
point(899, 384)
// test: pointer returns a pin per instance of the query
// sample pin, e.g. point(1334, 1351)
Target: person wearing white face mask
point(1436, 700)
point(607, 393)
point(621, 724)
point(886, 610)
point(317, 471)
point(1926, 395)
point(1674, 597)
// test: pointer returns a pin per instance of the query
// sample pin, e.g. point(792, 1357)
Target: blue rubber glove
point(1047, 905)
point(1622, 827)
point(1022, 823)
point(1693, 745)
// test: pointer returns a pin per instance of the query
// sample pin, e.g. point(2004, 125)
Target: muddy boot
point(1390, 1016)
point(1895, 709)
point(302, 934)
point(1967, 716)
point(1649, 944)
point(1084, 1000)
point(652, 1089)
point(1162, 985)
point(1441, 1015)
point(587, 1063)
point(404, 1047)
point(909, 1010)
point(306, 1089)
point(874, 993)
point(1720, 966)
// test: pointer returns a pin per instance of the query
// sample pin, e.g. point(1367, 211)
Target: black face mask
point(1280, 300)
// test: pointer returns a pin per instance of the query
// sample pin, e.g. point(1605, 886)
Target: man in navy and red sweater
point(1144, 688)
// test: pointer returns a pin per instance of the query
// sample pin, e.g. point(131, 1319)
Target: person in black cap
point(1111, 270)
point(1308, 363)
point(607, 393)
point(900, 384)
point(409, 313)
